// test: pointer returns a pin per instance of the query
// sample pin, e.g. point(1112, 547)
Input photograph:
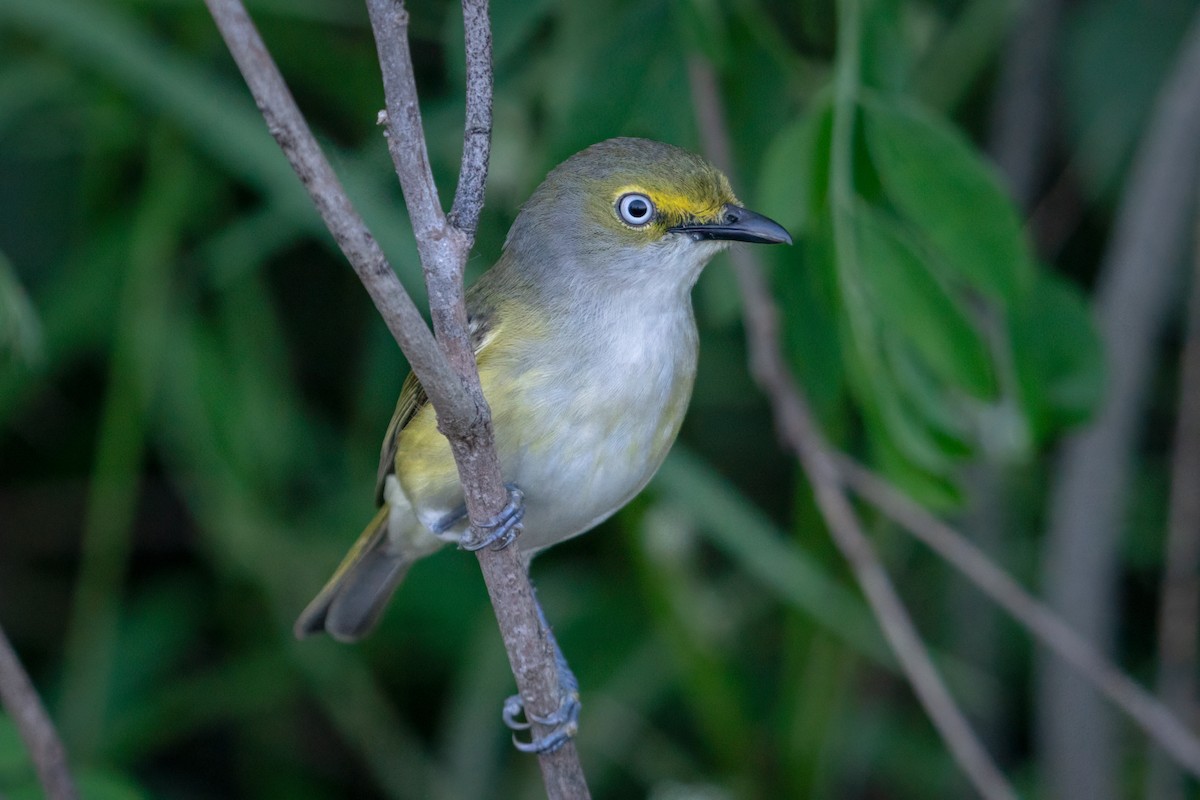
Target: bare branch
point(1056, 635)
point(796, 425)
point(1021, 118)
point(21, 702)
point(468, 200)
point(1136, 289)
point(1180, 598)
point(800, 434)
point(446, 368)
point(291, 131)
point(444, 248)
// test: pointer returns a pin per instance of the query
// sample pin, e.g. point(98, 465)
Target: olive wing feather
point(481, 325)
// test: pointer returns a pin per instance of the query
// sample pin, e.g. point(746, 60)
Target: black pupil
point(637, 208)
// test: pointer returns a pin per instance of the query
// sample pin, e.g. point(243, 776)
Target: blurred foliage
point(192, 388)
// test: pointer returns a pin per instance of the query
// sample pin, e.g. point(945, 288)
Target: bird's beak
point(738, 224)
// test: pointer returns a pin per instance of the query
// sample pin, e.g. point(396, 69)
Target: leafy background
point(192, 389)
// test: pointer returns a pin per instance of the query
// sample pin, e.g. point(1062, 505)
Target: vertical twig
point(1136, 288)
point(1179, 603)
point(445, 367)
point(21, 702)
point(1023, 112)
point(444, 245)
point(799, 431)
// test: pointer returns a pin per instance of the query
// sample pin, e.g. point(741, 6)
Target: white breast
point(606, 421)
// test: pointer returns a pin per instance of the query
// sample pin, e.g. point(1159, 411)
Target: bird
point(586, 346)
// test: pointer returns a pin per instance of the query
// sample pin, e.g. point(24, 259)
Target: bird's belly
point(592, 456)
point(579, 442)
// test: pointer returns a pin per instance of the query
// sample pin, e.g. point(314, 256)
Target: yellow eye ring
point(635, 209)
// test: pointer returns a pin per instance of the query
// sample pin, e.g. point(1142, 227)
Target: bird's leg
point(564, 721)
point(501, 530)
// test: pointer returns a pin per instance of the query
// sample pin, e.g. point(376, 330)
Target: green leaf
point(809, 321)
point(795, 171)
point(910, 303)
point(888, 416)
point(920, 390)
point(1059, 359)
point(951, 197)
point(932, 490)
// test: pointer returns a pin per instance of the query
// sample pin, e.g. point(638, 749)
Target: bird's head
point(633, 207)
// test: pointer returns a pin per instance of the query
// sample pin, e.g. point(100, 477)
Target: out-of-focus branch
point(1022, 114)
point(22, 703)
point(1155, 718)
point(799, 432)
point(1180, 598)
point(446, 368)
point(1137, 288)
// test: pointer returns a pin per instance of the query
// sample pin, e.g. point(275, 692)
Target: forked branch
point(445, 367)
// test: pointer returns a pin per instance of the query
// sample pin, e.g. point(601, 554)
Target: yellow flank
point(677, 208)
point(424, 464)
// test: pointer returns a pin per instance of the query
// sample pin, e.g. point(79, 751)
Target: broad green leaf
point(888, 417)
point(809, 322)
point(795, 171)
point(952, 198)
point(1059, 360)
point(935, 491)
point(944, 413)
point(886, 56)
point(910, 303)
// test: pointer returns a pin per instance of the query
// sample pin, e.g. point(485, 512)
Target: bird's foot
point(563, 721)
point(501, 530)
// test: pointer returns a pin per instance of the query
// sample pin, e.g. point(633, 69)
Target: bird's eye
point(635, 209)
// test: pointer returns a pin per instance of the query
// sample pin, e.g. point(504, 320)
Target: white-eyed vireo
point(586, 345)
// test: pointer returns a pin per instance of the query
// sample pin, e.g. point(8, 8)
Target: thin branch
point(468, 199)
point(1024, 107)
point(1180, 599)
point(444, 247)
point(796, 424)
point(22, 703)
point(1152, 716)
point(291, 131)
point(1136, 290)
point(799, 431)
point(446, 368)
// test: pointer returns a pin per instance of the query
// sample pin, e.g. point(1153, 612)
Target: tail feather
point(350, 604)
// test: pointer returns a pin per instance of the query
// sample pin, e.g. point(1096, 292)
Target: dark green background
point(193, 386)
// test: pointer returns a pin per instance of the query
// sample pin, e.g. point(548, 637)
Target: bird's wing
point(481, 325)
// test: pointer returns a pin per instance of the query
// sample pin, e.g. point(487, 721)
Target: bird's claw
point(564, 722)
point(501, 530)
